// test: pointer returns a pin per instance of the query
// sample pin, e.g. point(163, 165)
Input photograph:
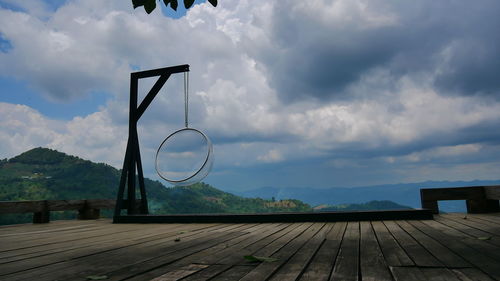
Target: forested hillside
point(45, 174)
point(371, 205)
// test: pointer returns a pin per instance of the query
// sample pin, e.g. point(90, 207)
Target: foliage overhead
point(150, 5)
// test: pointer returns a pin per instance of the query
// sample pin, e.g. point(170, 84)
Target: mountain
point(405, 194)
point(45, 174)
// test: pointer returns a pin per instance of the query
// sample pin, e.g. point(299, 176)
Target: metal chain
point(186, 94)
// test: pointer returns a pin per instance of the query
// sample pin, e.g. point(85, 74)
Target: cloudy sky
point(316, 93)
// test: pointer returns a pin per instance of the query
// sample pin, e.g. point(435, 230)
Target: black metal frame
point(133, 154)
point(137, 209)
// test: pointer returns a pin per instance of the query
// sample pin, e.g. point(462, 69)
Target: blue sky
point(293, 93)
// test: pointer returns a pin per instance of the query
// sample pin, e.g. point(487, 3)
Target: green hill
point(371, 205)
point(45, 174)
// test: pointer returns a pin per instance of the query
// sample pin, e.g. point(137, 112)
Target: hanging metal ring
point(200, 172)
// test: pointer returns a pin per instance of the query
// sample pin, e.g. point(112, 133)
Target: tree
point(150, 5)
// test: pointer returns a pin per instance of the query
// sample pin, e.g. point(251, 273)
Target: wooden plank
point(393, 253)
point(11, 207)
point(265, 269)
point(443, 254)
point(346, 265)
point(422, 273)
point(7, 207)
point(256, 243)
point(12, 244)
point(410, 273)
point(58, 247)
point(419, 255)
point(492, 192)
point(103, 203)
point(215, 254)
point(180, 273)
point(492, 217)
point(205, 274)
point(100, 240)
point(465, 250)
point(278, 243)
point(296, 265)
point(452, 193)
point(65, 205)
point(233, 254)
point(101, 256)
point(481, 245)
point(373, 266)
point(16, 227)
point(480, 226)
point(167, 255)
point(471, 274)
point(55, 237)
point(439, 274)
point(17, 235)
point(234, 273)
point(321, 266)
point(472, 229)
point(255, 239)
point(26, 264)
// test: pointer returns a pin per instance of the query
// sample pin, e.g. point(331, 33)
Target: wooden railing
point(479, 199)
point(87, 209)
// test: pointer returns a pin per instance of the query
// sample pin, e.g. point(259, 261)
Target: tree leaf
point(173, 5)
point(149, 5)
point(138, 3)
point(260, 259)
point(188, 3)
point(484, 238)
point(96, 277)
point(213, 2)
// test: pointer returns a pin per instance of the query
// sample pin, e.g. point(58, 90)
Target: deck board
point(373, 265)
point(450, 247)
point(419, 255)
point(322, 263)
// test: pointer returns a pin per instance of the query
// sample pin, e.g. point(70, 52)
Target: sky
point(319, 93)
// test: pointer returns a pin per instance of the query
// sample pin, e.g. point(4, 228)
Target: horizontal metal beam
point(160, 71)
point(415, 214)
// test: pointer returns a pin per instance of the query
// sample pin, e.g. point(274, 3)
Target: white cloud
point(271, 156)
point(271, 81)
point(92, 137)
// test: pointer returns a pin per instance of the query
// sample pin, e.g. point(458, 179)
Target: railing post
point(44, 215)
point(88, 213)
point(477, 206)
point(426, 203)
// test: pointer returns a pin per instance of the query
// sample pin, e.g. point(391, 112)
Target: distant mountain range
point(45, 174)
point(404, 194)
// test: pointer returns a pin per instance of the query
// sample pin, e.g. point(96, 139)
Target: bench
point(479, 199)
point(87, 209)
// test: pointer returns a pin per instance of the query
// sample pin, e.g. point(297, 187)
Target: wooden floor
point(451, 247)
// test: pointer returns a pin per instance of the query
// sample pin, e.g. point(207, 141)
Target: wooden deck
point(446, 248)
